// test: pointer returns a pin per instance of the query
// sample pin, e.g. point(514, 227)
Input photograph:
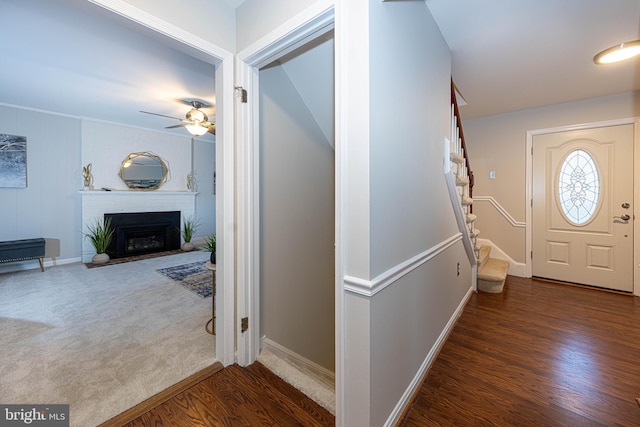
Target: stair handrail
point(456, 113)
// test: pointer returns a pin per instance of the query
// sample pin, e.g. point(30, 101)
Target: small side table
point(212, 321)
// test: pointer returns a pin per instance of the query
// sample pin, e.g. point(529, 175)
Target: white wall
point(257, 18)
point(297, 220)
point(50, 205)
point(106, 145)
point(57, 149)
point(213, 21)
point(396, 309)
point(499, 143)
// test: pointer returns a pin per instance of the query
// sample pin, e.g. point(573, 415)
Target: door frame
point(636, 187)
point(298, 31)
point(225, 201)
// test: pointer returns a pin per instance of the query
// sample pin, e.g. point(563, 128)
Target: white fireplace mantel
point(96, 203)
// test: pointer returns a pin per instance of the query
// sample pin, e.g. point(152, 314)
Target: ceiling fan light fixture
point(196, 129)
point(621, 52)
point(196, 115)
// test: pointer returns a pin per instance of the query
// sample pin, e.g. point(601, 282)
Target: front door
point(583, 206)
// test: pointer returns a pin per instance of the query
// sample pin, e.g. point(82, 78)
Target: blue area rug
point(195, 277)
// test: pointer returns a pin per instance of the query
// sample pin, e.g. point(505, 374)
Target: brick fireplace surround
point(96, 203)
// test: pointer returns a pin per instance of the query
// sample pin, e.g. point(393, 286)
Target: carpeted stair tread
point(466, 201)
point(461, 181)
point(471, 218)
point(493, 275)
point(483, 256)
point(494, 270)
point(456, 158)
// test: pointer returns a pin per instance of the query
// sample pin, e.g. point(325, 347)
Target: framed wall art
point(13, 161)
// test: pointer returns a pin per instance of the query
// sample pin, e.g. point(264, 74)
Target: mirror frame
point(133, 186)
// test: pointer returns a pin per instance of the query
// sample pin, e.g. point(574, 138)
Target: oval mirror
point(143, 171)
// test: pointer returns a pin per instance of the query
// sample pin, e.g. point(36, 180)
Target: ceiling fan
point(196, 121)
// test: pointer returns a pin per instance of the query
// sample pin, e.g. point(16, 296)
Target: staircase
point(491, 272)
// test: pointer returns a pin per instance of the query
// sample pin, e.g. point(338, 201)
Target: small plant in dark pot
point(210, 246)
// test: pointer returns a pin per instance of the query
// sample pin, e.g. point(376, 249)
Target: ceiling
point(73, 57)
point(510, 55)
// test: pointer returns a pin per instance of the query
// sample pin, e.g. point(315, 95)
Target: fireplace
point(140, 233)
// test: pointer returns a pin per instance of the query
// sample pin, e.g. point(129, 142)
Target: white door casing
point(574, 239)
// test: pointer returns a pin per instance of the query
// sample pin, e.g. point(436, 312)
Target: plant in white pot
point(210, 246)
point(100, 234)
point(189, 227)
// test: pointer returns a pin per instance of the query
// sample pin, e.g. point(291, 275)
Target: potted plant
point(100, 234)
point(210, 246)
point(189, 227)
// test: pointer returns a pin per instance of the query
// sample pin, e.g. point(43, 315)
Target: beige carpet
point(102, 339)
point(315, 388)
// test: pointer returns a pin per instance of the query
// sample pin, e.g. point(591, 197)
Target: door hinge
point(531, 254)
point(243, 93)
point(244, 324)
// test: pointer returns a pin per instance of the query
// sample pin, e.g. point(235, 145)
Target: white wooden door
point(583, 206)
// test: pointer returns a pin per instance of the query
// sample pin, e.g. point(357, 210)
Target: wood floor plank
point(236, 396)
point(539, 354)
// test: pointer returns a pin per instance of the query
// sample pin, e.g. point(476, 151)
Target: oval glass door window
point(579, 187)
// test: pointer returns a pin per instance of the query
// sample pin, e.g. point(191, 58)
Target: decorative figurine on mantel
point(191, 181)
point(88, 179)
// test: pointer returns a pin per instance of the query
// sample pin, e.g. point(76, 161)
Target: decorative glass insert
point(579, 187)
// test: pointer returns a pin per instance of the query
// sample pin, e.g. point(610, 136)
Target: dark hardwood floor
point(539, 354)
point(235, 396)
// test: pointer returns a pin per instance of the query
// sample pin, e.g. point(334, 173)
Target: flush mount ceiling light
point(618, 53)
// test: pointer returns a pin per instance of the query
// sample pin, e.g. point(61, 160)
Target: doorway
point(583, 206)
point(296, 206)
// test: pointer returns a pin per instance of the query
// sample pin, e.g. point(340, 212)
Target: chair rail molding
point(369, 288)
point(501, 210)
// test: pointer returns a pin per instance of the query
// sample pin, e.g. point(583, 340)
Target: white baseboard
point(302, 363)
point(515, 268)
point(415, 384)
point(11, 267)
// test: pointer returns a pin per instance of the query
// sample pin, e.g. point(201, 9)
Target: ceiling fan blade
point(177, 126)
point(161, 115)
point(212, 130)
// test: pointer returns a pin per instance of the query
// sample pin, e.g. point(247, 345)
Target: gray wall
point(499, 143)
point(391, 333)
point(296, 220)
point(50, 206)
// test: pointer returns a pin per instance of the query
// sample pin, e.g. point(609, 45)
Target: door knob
point(624, 217)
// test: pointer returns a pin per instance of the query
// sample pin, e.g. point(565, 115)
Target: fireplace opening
point(140, 233)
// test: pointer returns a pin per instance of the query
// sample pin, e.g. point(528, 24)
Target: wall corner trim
point(370, 287)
